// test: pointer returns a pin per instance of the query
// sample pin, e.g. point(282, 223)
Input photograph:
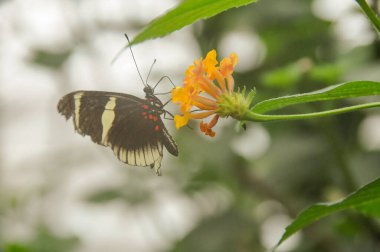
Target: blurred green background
point(235, 192)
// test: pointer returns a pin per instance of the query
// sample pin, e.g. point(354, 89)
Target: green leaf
point(372, 210)
point(16, 247)
point(339, 91)
point(367, 197)
point(284, 77)
point(50, 59)
point(327, 73)
point(129, 195)
point(184, 14)
point(371, 14)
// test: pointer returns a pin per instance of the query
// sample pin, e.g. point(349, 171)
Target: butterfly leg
point(163, 77)
point(168, 113)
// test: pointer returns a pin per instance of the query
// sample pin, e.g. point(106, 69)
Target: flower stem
point(252, 116)
point(370, 13)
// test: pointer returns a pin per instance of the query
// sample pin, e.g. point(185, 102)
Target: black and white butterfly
point(130, 126)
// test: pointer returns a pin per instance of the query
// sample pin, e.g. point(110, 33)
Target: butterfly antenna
point(150, 70)
point(133, 56)
point(134, 59)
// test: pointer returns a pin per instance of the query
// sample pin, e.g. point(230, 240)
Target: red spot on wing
point(155, 118)
point(145, 107)
point(157, 128)
point(150, 117)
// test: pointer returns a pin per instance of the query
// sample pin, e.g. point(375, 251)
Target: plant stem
point(252, 116)
point(375, 6)
point(370, 13)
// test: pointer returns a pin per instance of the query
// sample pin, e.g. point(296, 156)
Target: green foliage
point(326, 73)
point(372, 209)
point(224, 233)
point(129, 195)
point(284, 77)
point(16, 247)
point(370, 13)
point(289, 76)
point(187, 12)
point(339, 91)
point(366, 198)
point(49, 59)
point(44, 241)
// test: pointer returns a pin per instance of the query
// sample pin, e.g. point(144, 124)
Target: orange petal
point(209, 87)
point(178, 94)
point(210, 60)
point(202, 115)
point(189, 70)
point(234, 59)
point(181, 121)
point(185, 107)
point(227, 65)
point(204, 107)
point(198, 68)
point(230, 83)
point(204, 103)
point(221, 81)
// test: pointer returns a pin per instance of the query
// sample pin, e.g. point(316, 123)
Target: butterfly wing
point(123, 122)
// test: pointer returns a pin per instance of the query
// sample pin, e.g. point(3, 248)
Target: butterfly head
point(155, 103)
point(148, 90)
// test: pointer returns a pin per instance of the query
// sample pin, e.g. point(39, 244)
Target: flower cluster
point(206, 87)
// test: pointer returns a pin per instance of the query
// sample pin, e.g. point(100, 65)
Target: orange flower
point(204, 86)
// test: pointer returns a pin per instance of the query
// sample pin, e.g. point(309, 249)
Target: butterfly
point(129, 125)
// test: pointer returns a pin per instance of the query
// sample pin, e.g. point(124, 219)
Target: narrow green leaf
point(372, 209)
point(184, 14)
point(367, 197)
point(340, 91)
point(371, 14)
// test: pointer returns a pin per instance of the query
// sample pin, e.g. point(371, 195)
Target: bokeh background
point(235, 192)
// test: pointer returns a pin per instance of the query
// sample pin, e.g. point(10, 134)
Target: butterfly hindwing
point(130, 126)
point(134, 137)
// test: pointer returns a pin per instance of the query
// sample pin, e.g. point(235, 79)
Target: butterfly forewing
point(130, 126)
